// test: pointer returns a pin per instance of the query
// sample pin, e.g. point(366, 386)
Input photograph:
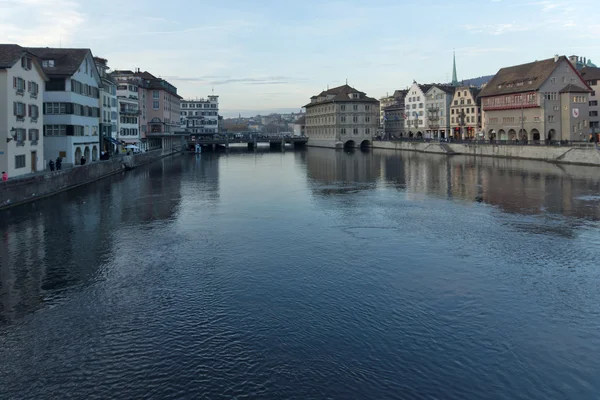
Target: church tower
point(454, 77)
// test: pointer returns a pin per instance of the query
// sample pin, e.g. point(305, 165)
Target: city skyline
point(271, 57)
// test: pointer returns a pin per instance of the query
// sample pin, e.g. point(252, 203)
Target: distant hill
point(477, 81)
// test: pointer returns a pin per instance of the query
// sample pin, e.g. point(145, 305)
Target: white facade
point(437, 108)
point(128, 128)
point(21, 102)
point(108, 106)
point(416, 121)
point(200, 116)
point(71, 115)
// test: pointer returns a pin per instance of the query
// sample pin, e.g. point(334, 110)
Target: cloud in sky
point(273, 54)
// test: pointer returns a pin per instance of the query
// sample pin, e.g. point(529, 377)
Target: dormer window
point(26, 63)
point(48, 63)
point(355, 95)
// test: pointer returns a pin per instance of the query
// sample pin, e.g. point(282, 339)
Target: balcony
point(512, 102)
point(129, 111)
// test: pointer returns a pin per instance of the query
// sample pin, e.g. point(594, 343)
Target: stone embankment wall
point(559, 154)
point(24, 189)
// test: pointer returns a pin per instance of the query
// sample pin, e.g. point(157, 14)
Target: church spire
point(454, 77)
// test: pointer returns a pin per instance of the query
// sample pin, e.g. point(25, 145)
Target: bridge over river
point(252, 142)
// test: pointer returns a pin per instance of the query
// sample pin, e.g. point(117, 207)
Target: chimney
point(556, 58)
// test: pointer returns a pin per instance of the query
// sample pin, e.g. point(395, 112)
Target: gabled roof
point(570, 88)
point(444, 88)
point(590, 73)
point(10, 54)
point(530, 77)
point(425, 88)
point(340, 94)
point(473, 90)
point(66, 61)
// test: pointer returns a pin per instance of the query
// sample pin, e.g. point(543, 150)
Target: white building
point(299, 126)
point(437, 105)
point(108, 108)
point(416, 121)
point(71, 104)
point(21, 121)
point(200, 115)
point(128, 128)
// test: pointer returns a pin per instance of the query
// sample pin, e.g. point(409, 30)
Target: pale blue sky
point(268, 55)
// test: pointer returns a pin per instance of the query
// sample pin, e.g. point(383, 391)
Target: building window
point(55, 130)
point(33, 88)
point(536, 119)
point(20, 161)
point(34, 111)
point(343, 131)
point(367, 119)
point(355, 107)
point(342, 119)
point(355, 119)
point(367, 131)
point(34, 136)
point(155, 94)
point(355, 131)
point(19, 110)
point(550, 118)
point(19, 84)
point(342, 108)
point(593, 103)
point(156, 104)
point(368, 107)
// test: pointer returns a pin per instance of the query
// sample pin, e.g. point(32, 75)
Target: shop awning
point(113, 141)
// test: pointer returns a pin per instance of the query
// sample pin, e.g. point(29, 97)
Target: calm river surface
point(312, 274)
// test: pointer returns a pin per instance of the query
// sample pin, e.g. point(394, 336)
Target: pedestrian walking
point(4, 176)
point(58, 163)
point(51, 165)
point(82, 161)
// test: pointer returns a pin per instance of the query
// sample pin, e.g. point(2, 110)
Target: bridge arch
point(365, 144)
point(349, 144)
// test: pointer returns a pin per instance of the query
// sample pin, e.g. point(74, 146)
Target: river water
point(312, 274)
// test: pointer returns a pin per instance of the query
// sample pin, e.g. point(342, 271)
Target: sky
point(270, 56)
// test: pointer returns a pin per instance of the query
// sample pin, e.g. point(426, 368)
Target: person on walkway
point(82, 161)
point(51, 164)
point(58, 163)
point(4, 176)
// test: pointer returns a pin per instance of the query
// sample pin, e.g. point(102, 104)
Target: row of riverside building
point(57, 102)
point(548, 100)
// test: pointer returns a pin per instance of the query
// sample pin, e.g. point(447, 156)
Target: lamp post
point(13, 133)
point(462, 124)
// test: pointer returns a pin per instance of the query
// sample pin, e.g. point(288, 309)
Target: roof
point(570, 88)
point(400, 94)
point(340, 94)
point(590, 73)
point(10, 54)
point(531, 75)
point(66, 61)
point(445, 88)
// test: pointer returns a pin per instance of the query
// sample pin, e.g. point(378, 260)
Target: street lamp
point(13, 133)
point(462, 124)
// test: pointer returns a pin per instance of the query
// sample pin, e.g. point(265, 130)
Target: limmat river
point(314, 274)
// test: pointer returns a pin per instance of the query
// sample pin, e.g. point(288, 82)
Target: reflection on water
point(516, 186)
point(307, 274)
